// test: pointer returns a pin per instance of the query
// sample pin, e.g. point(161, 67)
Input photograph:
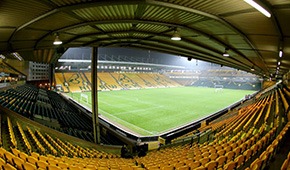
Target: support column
point(94, 93)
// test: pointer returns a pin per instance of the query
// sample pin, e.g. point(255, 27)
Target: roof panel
point(213, 27)
point(253, 23)
point(140, 35)
point(279, 2)
point(68, 2)
point(213, 6)
point(157, 13)
point(5, 33)
point(283, 18)
point(151, 28)
point(29, 34)
point(268, 43)
point(18, 12)
point(55, 21)
point(83, 30)
point(115, 27)
point(110, 12)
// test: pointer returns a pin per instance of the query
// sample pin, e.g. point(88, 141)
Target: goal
point(218, 88)
point(85, 97)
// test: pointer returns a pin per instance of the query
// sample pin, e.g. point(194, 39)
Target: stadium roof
point(206, 27)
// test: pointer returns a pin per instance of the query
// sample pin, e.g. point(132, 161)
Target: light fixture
point(253, 69)
point(259, 8)
point(57, 41)
point(280, 53)
point(2, 56)
point(278, 68)
point(176, 36)
point(279, 63)
point(226, 54)
point(15, 54)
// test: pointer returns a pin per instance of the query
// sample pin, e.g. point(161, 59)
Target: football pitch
point(153, 111)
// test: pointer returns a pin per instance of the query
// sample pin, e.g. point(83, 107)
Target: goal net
point(218, 88)
point(84, 98)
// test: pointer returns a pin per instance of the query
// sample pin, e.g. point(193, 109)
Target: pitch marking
point(127, 122)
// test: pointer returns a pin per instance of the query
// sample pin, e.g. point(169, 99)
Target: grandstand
point(153, 85)
point(248, 137)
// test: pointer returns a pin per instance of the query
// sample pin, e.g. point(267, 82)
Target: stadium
point(131, 85)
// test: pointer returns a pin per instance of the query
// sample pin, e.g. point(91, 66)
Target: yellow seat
point(230, 166)
point(213, 156)
point(168, 167)
point(8, 167)
point(31, 160)
point(2, 151)
point(29, 166)
point(230, 155)
point(72, 167)
point(41, 164)
point(211, 165)
point(15, 151)
point(65, 165)
point(256, 164)
point(42, 158)
point(53, 167)
point(203, 161)
point(221, 161)
point(18, 162)
point(248, 154)
point(285, 164)
point(52, 162)
point(185, 167)
point(201, 168)
point(35, 155)
point(240, 160)
point(23, 156)
point(9, 157)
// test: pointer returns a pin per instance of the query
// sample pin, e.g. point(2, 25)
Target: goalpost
point(218, 88)
point(85, 97)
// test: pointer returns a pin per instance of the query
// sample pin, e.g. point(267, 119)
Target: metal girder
point(153, 3)
point(177, 52)
point(212, 16)
point(146, 22)
point(142, 32)
point(202, 55)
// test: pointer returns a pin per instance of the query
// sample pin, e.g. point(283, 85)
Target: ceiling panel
point(253, 23)
point(157, 13)
point(5, 33)
point(18, 12)
point(55, 21)
point(214, 6)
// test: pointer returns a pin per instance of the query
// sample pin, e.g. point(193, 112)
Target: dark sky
point(159, 58)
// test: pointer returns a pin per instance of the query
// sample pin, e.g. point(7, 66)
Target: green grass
point(152, 111)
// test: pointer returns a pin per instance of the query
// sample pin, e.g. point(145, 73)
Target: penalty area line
point(139, 110)
point(127, 122)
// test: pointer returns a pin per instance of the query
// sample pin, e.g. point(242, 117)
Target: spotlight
point(226, 54)
point(2, 56)
point(259, 8)
point(280, 53)
point(279, 63)
point(15, 54)
point(189, 58)
point(57, 40)
point(253, 69)
point(176, 36)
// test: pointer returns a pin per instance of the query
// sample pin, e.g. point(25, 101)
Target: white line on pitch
point(104, 102)
point(139, 110)
point(134, 100)
point(126, 122)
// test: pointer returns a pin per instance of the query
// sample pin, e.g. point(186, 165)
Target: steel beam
point(94, 93)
